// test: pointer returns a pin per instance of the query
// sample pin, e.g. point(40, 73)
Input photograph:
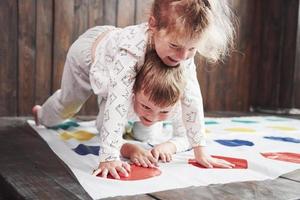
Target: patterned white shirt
point(112, 74)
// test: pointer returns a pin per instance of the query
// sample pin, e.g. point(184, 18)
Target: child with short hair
point(156, 97)
point(103, 61)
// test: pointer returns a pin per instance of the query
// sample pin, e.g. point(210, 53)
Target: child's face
point(173, 50)
point(147, 111)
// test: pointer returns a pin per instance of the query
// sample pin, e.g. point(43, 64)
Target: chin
point(170, 63)
point(146, 123)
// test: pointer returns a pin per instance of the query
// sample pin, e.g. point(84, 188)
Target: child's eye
point(192, 49)
point(174, 46)
point(164, 112)
point(145, 107)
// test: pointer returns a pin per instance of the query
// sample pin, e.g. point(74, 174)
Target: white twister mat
point(269, 145)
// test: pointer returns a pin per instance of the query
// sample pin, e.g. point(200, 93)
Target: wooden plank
point(44, 54)
point(96, 13)
point(135, 197)
point(288, 51)
point(296, 90)
point(8, 57)
point(126, 10)
point(271, 69)
point(81, 24)
point(143, 10)
point(294, 175)
point(96, 18)
point(110, 12)
point(27, 53)
point(255, 54)
point(278, 189)
point(81, 17)
point(63, 37)
point(35, 172)
point(225, 85)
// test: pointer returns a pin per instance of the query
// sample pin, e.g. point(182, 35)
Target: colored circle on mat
point(139, 173)
point(238, 162)
point(283, 156)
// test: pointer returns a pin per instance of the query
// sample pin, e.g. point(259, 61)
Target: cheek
point(138, 111)
point(191, 54)
point(163, 117)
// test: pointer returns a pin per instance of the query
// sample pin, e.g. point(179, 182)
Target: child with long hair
point(104, 60)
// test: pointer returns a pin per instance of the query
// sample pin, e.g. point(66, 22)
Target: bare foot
point(35, 110)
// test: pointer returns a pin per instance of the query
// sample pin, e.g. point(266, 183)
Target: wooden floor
point(30, 170)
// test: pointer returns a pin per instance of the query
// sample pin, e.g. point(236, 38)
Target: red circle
point(139, 173)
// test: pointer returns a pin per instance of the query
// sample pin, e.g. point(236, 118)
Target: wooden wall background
point(263, 71)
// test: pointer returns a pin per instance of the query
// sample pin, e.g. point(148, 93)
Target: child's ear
point(152, 23)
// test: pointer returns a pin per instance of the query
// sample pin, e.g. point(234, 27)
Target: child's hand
point(206, 160)
point(164, 151)
point(138, 155)
point(113, 168)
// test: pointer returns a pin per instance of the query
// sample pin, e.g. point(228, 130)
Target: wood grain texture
point(26, 55)
point(8, 58)
point(110, 12)
point(296, 79)
point(278, 189)
point(82, 14)
point(262, 71)
point(275, 69)
point(44, 54)
point(30, 170)
point(288, 53)
point(126, 13)
point(63, 37)
point(142, 10)
point(96, 13)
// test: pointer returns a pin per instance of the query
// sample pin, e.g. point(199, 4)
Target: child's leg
point(75, 85)
point(67, 101)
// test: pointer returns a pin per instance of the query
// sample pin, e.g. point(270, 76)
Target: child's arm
point(193, 118)
point(138, 155)
point(178, 142)
point(115, 109)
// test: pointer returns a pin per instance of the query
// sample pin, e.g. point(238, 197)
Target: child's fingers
point(126, 166)
point(96, 172)
point(155, 154)
point(168, 157)
point(113, 172)
point(136, 161)
point(142, 162)
point(104, 173)
point(162, 157)
point(122, 170)
point(206, 164)
point(223, 164)
point(153, 161)
point(149, 162)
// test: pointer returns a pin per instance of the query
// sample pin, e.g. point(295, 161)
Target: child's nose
point(182, 54)
point(153, 117)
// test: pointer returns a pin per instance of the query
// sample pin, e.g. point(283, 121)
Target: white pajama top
point(112, 73)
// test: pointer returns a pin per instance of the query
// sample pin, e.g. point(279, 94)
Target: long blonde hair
point(209, 20)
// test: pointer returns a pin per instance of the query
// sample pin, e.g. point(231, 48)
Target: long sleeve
point(112, 78)
point(117, 105)
point(179, 138)
point(192, 107)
